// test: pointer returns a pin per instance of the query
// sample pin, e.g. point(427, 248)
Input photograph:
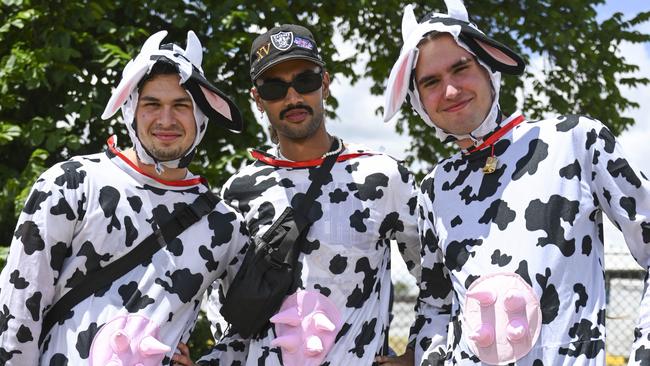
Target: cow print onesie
point(539, 215)
point(367, 200)
point(83, 214)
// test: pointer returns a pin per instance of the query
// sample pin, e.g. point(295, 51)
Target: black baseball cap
point(282, 43)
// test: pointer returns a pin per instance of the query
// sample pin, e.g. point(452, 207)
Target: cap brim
point(286, 58)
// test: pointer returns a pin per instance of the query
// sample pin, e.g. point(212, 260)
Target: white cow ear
point(398, 83)
point(409, 22)
point(194, 50)
point(456, 9)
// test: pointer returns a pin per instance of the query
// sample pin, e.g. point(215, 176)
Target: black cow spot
point(352, 167)
point(85, 339)
point(183, 283)
point(315, 210)
point(5, 317)
point(391, 223)
point(70, 177)
point(33, 304)
point(586, 245)
point(457, 253)
point(436, 282)
point(369, 190)
point(538, 362)
point(175, 247)
point(571, 171)
point(210, 263)
point(161, 191)
point(131, 231)
point(581, 291)
point(132, 297)
point(594, 160)
point(546, 217)
point(359, 296)
point(429, 241)
point(499, 213)
point(135, 202)
point(309, 246)
point(499, 259)
point(489, 185)
point(109, 198)
point(587, 344)
point(34, 201)
point(522, 271)
point(18, 282)
point(93, 258)
point(63, 208)
point(356, 220)
point(470, 279)
point(24, 334)
point(607, 195)
point(286, 183)
point(338, 264)
point(621, 167)
point(608, 138)
point(222, 227)
point(642, 354)
point(591, 139)
point(6, 356)
point(81, 211)
point(338, 196)
point(58, 253)
point(59, 360)
point(537, 152)
point(364, 338)
point(629, 205)
point(550, 300)
point(404, 173)
point(325, 291)
point(456, 221)
point(30, 236)
point(645, 228)
point(412, 204)
point(246, 188)
point(265, 214)
point(566, 123)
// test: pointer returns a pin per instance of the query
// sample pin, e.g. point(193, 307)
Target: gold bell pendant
point(490, 165)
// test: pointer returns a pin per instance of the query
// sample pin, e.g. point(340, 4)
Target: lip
point(166, 136)
point(296, 115)
point(457, 106)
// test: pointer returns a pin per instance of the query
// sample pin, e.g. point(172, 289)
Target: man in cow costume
point(85, 213)
point(367, 200)
point(511, 226)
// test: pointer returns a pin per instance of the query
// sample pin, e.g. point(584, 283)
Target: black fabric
point(266, 275)
point(100, 279)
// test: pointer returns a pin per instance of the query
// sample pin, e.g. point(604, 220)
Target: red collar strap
point(272, 160)
point(497, 135)
point(174, 183)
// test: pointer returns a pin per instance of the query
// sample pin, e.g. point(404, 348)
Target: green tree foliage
point(60, 59)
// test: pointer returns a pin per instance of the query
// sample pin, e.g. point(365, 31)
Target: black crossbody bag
point(266, 275)
point(143, 252)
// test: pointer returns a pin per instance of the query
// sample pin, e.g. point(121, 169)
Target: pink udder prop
point(128, 340)
point(306, 327)
point(502, 318)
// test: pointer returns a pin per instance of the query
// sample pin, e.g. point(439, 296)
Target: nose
point(451, 91)
point(293, 96)
point(167, 116)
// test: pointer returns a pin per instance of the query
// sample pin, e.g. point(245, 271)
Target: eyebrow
point(462, 61)
point(146, 98)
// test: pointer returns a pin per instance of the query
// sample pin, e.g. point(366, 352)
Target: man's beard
point(301, 132)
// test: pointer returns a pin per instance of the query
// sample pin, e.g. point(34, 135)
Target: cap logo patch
point(282, 40)
point(304, 43)
point(263, 51)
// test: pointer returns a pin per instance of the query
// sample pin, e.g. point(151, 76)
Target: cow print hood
point(491, 55)
point(210, 104)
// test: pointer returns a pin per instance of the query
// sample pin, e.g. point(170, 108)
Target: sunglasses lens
point(303, 83)
point(272, 90)
point(307, 82)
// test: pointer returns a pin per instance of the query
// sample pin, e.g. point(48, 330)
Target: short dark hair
point(161, 67)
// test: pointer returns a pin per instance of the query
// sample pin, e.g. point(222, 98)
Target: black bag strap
point(167, 231)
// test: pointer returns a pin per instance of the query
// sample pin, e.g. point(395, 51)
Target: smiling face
point(165, 118)
point(297, 116)
point(454, 88)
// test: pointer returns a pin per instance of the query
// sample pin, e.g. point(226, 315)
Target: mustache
point(292, 107)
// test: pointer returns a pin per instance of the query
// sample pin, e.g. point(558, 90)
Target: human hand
point(407, 359)
point(183, 358)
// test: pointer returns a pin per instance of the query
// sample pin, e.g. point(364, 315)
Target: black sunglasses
point(305, 82)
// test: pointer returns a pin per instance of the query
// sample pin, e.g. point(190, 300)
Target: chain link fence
point(624, 281)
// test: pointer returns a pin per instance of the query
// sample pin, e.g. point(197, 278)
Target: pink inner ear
point(217, 103)
point(497, 54)
point(400, 84)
